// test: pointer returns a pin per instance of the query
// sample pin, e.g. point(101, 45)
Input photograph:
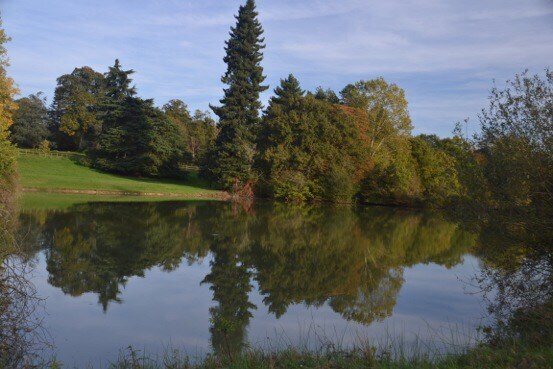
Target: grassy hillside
point(66, 173)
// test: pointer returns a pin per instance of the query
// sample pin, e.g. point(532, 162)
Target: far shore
point(221, 195)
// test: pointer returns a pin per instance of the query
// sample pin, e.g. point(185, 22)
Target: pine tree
point(230, 160)
point(287, 97)
point(118, 83)
point(117, 89)
point(288, 90)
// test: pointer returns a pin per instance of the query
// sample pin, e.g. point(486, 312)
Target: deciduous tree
point(8, 91)
point(517, 139)
point(75, 108)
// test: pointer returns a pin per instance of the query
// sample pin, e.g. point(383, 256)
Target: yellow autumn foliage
point(8, 91)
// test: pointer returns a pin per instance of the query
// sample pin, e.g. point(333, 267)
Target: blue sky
point(445, 54)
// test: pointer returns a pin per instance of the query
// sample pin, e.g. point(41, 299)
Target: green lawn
point(65, 173)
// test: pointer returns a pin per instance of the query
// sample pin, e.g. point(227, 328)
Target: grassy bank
point(60, 201)
point(478, 358)
point(526, 346)
point(65, 173)
point(510, 357)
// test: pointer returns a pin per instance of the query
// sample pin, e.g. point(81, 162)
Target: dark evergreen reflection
point(352, 259)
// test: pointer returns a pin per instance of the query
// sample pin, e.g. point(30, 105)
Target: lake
point(215, 276)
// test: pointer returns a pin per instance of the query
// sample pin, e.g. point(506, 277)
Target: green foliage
point(140, 140)
point(327, 95)
point(290, 186)
point(199, 131)
point(30, 122)
point(339, 184)
point(118, 83)
point(314, 146)
point(388, 115)
point(166, 149)
point(470, 171)
point(75, 109)
point(288, 90)
point(8, 91)
point(437, 172)
point(230, 160)
point(303, 140)
point(517, 141)
point(387, 169)
point(393, 183)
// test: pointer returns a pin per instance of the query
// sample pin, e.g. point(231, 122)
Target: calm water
point(153, 275)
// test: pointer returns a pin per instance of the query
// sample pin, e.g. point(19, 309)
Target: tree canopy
point(140, 140)
point(75, 108)
point(353, 146)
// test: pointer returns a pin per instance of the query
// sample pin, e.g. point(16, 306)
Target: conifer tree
point(118, 82)
point(230, 160)
point(289, 89)
point(117, 90)
point(287, 97)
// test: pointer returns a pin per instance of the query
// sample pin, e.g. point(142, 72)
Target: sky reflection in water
point(153, 275)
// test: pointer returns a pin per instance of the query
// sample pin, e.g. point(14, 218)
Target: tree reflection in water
point(351, 259)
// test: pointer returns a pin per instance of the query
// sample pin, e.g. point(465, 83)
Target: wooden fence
point(65, 154)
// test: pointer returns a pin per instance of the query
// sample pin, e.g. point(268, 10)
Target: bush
point(339, 184)
point(390, 184)
point(291, 186)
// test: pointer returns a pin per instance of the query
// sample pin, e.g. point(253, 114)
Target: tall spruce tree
point(230, 161)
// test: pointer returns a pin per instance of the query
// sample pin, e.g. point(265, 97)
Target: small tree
point(517, 139)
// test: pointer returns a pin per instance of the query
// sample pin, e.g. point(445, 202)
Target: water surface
point(202, 276)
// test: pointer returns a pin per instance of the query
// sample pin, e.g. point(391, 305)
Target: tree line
point(355, 145)
point(99, 114)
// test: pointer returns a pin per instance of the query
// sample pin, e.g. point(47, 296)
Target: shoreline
point(221, 195)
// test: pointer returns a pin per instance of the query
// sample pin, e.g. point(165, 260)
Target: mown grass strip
point(58, 173)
